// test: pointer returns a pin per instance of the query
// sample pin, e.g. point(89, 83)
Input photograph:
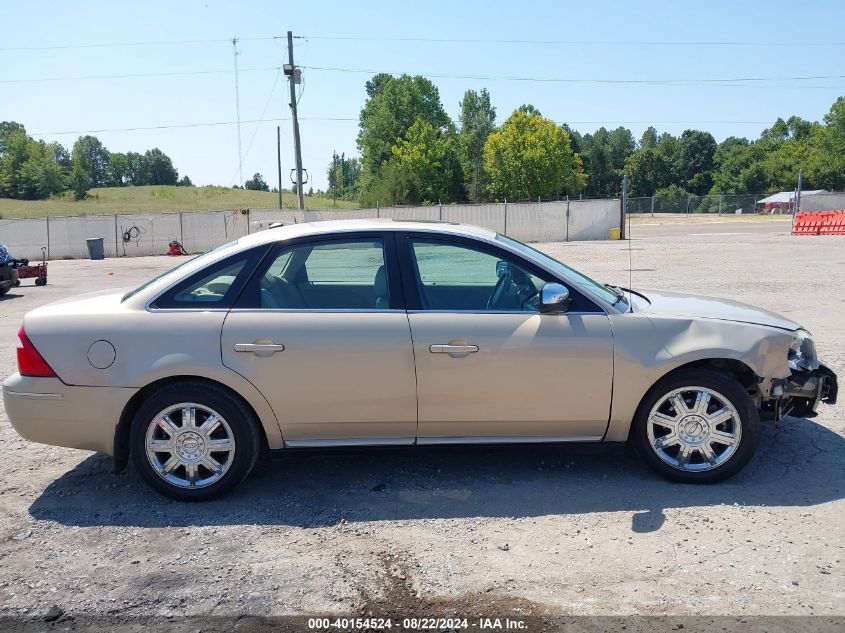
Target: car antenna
point(627, 218)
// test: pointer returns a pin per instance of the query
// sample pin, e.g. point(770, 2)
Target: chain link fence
point(138, 234)
point(730, 204)
point(718, 204)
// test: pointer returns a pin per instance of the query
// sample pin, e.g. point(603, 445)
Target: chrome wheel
point(694, 429)
point(190, 445)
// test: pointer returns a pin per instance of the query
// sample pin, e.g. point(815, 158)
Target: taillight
point(30, 362)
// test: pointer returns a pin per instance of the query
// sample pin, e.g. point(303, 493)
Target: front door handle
point(258, 348)
point(453, 349)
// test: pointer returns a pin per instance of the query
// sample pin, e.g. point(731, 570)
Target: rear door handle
point(257, 348)
point(453, 349)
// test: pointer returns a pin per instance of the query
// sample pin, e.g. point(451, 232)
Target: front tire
point(191, 442)
point(696, 426)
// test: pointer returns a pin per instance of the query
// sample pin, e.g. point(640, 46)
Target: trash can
point(95, 248)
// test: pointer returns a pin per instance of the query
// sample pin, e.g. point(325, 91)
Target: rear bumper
point(48, 411)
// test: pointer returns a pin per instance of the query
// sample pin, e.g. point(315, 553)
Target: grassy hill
point(157, 198)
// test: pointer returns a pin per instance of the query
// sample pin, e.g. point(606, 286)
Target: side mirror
point(554, 298)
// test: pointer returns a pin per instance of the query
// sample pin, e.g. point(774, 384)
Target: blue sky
point(605, 40)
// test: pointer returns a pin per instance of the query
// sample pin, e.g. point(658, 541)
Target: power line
point(186, 125)
point(52, 47)
point(447, 40)
point(356, 120)
point(178, 73)
point(435, 40)
point(679, 82)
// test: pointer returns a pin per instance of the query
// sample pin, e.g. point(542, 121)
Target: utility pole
point(797, 205)
point(334, 177)
point(279, 160)
point(293, 74)
point(238, 114)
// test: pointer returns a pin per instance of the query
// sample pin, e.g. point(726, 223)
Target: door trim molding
point(350, 441)
point(509, 439)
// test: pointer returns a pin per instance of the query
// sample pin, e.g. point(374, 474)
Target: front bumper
point(48, 411)
point(808, 388)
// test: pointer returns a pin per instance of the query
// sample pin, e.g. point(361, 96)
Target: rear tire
point(193, 442)
point(696, 426)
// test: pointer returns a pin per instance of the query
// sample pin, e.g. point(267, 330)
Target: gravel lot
point(576, 530)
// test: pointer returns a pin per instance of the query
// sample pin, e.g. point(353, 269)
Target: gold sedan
point(368, 333)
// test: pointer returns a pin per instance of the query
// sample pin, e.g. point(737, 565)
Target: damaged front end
point(809, 383)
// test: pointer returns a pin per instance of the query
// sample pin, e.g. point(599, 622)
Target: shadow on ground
point(798, 463)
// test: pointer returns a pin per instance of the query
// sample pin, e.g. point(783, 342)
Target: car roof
point(309, 229)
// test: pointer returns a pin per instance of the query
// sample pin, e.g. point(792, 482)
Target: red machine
point(176, 249)
point(37, 271)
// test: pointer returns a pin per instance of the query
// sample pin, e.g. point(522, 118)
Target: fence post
point(754, 208)
point(378, 209)
point(506, 217)
point(567, 218)
point(440, 205)
point(48, 236)
point(181, 231)
point(720, 203)
point(689, 201)
point(652, 205)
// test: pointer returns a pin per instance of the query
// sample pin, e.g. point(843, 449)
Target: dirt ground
point(527, 530)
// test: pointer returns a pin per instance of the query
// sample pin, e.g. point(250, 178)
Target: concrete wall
point(132, 235)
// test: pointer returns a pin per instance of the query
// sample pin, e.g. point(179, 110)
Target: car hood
point(679, 304)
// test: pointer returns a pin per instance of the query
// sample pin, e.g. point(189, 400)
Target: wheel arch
point(732, 366)
point(121, 434)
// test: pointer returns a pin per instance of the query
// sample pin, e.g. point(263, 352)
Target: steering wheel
point(495, 297)
point(514, 290)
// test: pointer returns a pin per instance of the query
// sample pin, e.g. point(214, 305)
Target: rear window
point(209, 255)
point(215, 286)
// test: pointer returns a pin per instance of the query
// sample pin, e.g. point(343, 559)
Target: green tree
point(256, 183)
point(394, 104)
point(694, 161)
point(40, 176)
point(604, 154)
point(80, 181)
point(478, 120)
point(423, 168)
point(135, 173)
point(648, 170)
point(649, 138)
point(343, 176)
point(531, 156)
point(184, 181)
point(157, 168)
point(118, 170)
point(528, 108)
point(15, 151)
point(90, 155)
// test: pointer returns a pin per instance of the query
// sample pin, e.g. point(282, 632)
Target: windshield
point(207, 256)
point(563, 270)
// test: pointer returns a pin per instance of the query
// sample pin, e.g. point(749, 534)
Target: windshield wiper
point(620, 296)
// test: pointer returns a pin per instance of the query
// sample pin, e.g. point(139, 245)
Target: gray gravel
point(581, 530)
